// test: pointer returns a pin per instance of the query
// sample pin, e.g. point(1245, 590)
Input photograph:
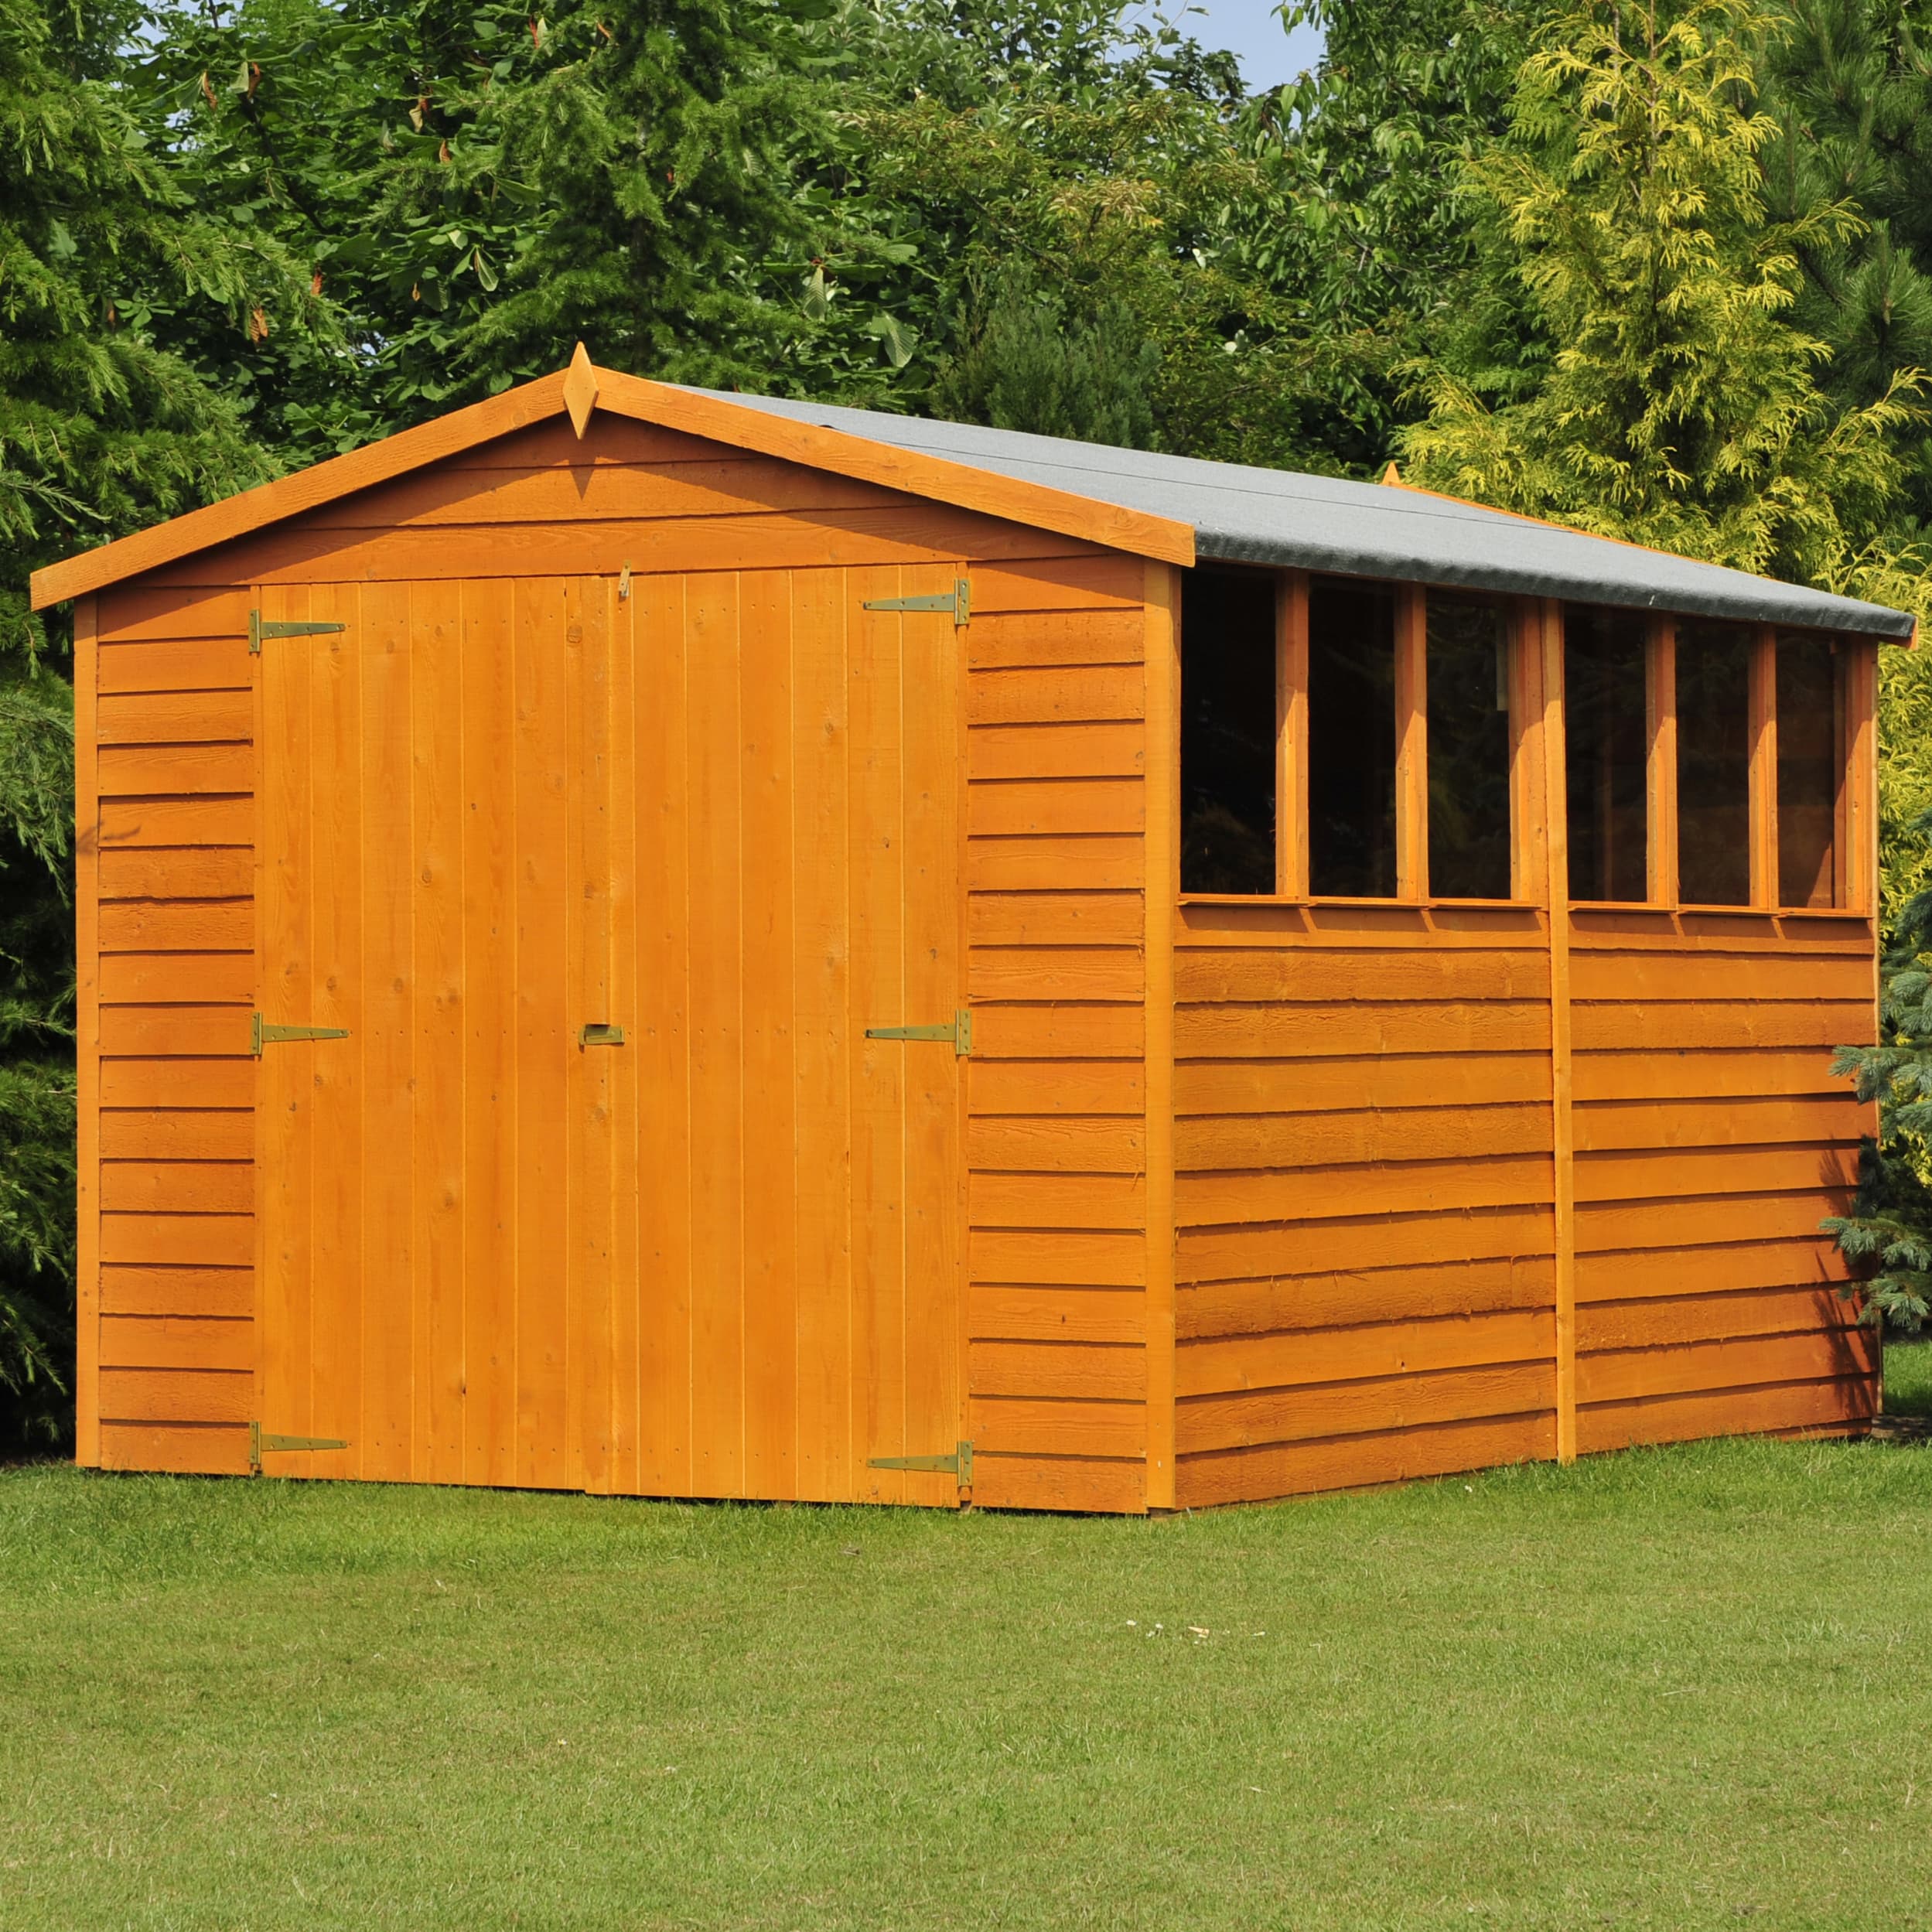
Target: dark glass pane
point(1469, 749)
point(1351, 739)
point(1810, 732)
point(1227, 731)
point(1714, 764)
point(1606, 740)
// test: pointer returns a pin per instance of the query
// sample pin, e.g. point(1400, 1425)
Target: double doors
point(603, 1183)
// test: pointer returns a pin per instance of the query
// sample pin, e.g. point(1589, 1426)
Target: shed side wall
point(171, 948)
point(1364, 1196)
point(1712, 1139)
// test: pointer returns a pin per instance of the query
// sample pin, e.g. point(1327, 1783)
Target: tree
point(103, 430)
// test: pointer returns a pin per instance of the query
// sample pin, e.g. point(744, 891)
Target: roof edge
point(936, 478)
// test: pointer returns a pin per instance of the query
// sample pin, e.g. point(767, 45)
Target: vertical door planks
point(769, 865)
point(627, 1150)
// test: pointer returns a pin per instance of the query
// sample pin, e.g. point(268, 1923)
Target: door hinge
point(958, 600)
point(260, 627)
point(263, 1033)
point(959, 1464)
point(281, 1445)
point(958, 1029)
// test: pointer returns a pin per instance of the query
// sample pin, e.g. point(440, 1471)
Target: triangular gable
point(576, 392)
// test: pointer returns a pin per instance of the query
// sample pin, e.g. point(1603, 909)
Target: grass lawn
point(1678, 1688)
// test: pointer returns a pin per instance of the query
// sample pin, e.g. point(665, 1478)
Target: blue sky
point(1251, 28)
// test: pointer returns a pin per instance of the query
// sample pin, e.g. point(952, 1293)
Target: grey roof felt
point(1242, 515)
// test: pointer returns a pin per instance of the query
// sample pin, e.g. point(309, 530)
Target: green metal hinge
point(263, 1033)
point(959, 1030)
point(959, 1464)
point(258, 629)
point(281, 1445)
point(958, 600)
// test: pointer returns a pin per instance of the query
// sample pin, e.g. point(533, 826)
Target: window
point(1468, 749)
point(1810, 738)
point(1607, 741)
point(1351, 739)
point(1714, 763)
point(1227, 731)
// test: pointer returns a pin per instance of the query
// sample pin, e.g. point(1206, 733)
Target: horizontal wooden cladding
point(140, 613)
point(177, 926)
point(1056, 1086)
point(1085, 1258)
point(1056, 694)
point(1005, 1312)
point(158, 1030)
point(129, 822)
point(1661, 1322)
point(1302, 975)
point(158, 979)
point(1401, 1454)
point(1059, 1483)
point(191, 1186)
point(210, 1239)
point(1076, 750)
point(1078, 1370)
point(1364, 1294)
point(1847, 1402)
point(1046, 1201)
point(1705, 1073)
point(182, 1449)
point(135, 771)
point(1666, 1027)
point(1208, 1143)
point(193, 872)
point(1324, 1193)
point(1037, 1029)
point(1308, 1086)
point(1668, 1174)
point(217, 666)
point(1729, 1362)
point(1031, 862)
point(1057, 1144)
point(1354, 1027)
point(1074, 972)
point(191, 1082)
point(1204, 1424)
point(1803, 1258)
point(897, 533)
point(175, 718)
point(1054, 919)
point(1390, 1239)
point(177, 1341)
point(176, 1394)
point(1219, 1364)
point(1009, 640)
point(1058, 806)
point(1722, 977)
point(1734, 1121)
point(1719, 1219)
point(196, 1291)
point(1026, 1426)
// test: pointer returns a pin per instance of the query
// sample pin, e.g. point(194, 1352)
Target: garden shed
point(651, 941)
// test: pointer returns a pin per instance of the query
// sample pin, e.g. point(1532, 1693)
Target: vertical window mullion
point(1290, 731)
point(1660, 708)
point(1764, 768)
point(1411, 743)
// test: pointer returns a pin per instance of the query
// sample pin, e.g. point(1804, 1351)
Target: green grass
point(1682, 1689)
point(1908, 1377)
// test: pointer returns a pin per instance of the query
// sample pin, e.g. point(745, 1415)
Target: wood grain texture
point(87, 890)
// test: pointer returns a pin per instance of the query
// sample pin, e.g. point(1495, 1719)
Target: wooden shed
point(649, 941)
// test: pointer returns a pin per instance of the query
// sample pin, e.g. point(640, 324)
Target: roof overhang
point(577, 392)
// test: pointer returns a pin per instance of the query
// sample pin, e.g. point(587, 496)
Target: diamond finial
point(580, 391)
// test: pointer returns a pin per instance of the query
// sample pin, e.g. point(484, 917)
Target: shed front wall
point(717, 1326)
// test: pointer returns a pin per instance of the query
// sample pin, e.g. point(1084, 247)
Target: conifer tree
point(102, 431)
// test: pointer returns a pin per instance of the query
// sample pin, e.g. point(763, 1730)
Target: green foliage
point(1680, 407)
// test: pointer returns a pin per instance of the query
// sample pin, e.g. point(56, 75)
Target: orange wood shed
point(643, 941)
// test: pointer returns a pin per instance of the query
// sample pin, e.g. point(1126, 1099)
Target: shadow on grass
point(1908, 1377)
